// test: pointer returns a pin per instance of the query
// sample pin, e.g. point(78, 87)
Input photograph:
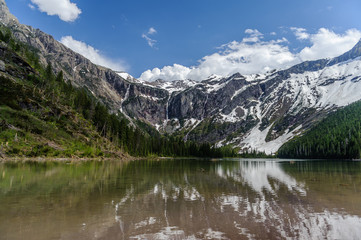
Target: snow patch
point(193, 123)
point(256, 139)
point(174, 86)
point(232, 117)
point(256, 77)
point(152, 98)
point(215, 87)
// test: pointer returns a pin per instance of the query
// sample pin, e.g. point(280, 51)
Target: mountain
point(41, 115)
point(264, 111)
point(259, 112)
point(112, 88)
point(5, 16)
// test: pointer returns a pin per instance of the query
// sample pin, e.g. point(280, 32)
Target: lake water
point(181, 199)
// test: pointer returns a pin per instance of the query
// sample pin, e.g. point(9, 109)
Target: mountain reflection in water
point(181, 199)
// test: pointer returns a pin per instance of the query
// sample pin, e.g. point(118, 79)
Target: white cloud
point(254, 36)
point(273, 33)
point(151, 42)
point(152, 31)
point(174, 72)
point(66, 10)
point(93, 54)
point(32, 7)
point(328, 44)
point(254, 55)
point(300, 33)
point(248, 56)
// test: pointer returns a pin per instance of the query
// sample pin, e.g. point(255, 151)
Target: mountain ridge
point(288, 117)
point(260, 111)
point(5, 16)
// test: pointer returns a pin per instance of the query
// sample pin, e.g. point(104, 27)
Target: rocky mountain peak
point(356, 50)
point(237, 75)
point(5, 16)
point(350, 55)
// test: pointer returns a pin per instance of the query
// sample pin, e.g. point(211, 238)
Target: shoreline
point(64, 160)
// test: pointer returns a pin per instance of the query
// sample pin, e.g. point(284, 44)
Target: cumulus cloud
point(234, 57)
point(300, 33)
point(93, 54)
point(254, 36)
point(255, 55)
point(328, 44)
point(251, 55)
point(175, 72)
point(66, 10)
point(151, 42)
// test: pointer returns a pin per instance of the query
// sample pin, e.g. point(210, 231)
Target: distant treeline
point(338, 136)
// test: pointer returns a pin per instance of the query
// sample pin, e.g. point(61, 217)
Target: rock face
point(5, 16)
point(114, 89)
point(260, 111)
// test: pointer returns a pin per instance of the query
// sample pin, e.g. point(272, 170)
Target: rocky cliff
point(107, 85)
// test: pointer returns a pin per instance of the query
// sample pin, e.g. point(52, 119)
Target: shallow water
point(181, 199)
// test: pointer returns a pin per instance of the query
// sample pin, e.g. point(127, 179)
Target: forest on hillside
point(41, 114)
point(338, 136)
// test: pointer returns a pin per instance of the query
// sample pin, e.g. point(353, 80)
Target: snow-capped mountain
point(260, 111)
point(173, 86)
point(127, 77)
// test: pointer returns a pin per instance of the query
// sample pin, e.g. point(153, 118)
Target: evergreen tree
point(336, 137)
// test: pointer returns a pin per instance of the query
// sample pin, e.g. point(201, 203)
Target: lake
point(181, 199)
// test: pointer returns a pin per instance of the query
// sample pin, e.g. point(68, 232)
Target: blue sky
point(200, 36)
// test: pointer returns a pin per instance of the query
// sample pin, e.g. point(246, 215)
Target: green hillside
point(39, 112)
point(42, 115)
point(336, 137)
